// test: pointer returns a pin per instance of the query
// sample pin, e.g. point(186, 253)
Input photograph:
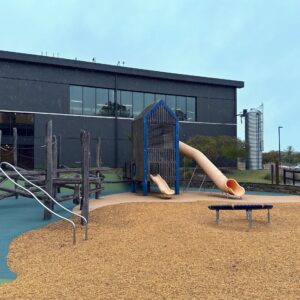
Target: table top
point(240, 206)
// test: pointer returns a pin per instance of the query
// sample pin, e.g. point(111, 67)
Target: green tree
point(289, 155)
point(205, 144)
point(226, 147)
point(270, 157)
point(231, 147)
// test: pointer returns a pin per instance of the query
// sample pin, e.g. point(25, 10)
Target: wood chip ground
point(161, 251)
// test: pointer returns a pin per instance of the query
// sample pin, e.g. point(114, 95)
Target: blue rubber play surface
point(23, 214)
point(18, 216)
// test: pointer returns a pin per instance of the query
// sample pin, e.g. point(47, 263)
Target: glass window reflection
point(89, 101)
point(191, 109)
point(181, 108)
point(149, 99)
point(159, 97)
point(101, 102)
point(76, 100)
point(125, 105)
point(137, 103)
point(171, 102)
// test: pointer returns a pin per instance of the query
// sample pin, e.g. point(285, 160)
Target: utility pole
point(279, 152)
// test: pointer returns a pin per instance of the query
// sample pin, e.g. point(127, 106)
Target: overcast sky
point(257, 42)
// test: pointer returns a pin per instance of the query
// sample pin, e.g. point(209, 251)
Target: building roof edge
point(93, 66)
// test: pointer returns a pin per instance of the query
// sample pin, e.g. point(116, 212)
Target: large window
point(89, 101)
point(171, 101)
point(105, 102)
point(181, 108)
point(76, 100)
point(190, 109)
point(149, 99)
point(137, 103)
point(159, 97)
point(101, 102)
point(125, 104)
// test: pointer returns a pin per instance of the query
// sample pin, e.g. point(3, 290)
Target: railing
point(293, 178)
point(41, 203)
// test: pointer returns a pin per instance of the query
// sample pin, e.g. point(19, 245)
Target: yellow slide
point(226, 185)
point(164, 188)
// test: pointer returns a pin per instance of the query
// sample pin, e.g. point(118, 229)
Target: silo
point(254, 137)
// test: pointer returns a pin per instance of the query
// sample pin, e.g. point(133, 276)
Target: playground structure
point(156, 148)
point(81, 181)
point(155, 137)
point(229, 186)
point(38, 188)
point(162, 185)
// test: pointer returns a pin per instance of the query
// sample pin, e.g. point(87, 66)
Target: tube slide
point(164, 188)
point(226, 185)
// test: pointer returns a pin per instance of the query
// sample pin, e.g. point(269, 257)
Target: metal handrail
point(202, 183)
point(188, 185)
point(40, 202)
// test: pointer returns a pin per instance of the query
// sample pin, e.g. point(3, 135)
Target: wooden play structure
point(82, 182)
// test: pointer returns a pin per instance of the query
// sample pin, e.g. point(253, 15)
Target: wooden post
point(294, 181)
point(284, 176)
point(277, 172)
point(55, 160)
point(85, 151)
point(59, 151)
point(59, 157)
point(15, 146)
point(49, 170)
point(272, 173)
point(98, 165)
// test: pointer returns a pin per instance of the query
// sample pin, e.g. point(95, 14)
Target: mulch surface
point(161, 251)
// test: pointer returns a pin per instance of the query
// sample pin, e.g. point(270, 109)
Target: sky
point(255, 41)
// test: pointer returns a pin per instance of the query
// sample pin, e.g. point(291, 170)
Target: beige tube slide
point(164, 188)
point(225, 184)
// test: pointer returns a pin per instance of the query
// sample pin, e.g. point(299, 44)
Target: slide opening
point(235, 188)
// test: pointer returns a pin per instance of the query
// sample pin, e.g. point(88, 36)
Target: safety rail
point(41, 203)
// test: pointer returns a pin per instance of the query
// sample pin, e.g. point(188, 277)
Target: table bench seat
point(247, 207)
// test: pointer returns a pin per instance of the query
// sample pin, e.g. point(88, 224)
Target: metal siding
point(216, 110)
point(36, 96)
point(182, 88)
point(55, 74)
point(26, 86)
point(69, 128)
point(95, 67)
point(187, 130)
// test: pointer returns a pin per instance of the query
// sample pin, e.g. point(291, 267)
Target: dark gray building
point(103, 99)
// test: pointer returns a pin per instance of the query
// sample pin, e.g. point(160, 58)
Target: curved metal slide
point(227, 185)
point(39, 201)
point(162, 185)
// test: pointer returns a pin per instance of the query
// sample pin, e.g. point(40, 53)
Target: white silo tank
point(254, 138)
